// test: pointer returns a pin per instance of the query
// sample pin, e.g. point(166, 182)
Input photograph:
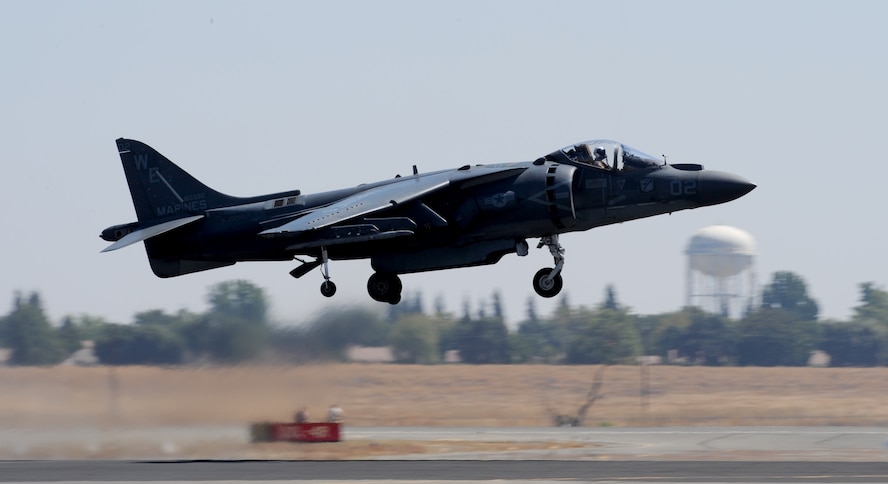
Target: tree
point(776, 337)
point(239, 299)
point(544, 339)
point(233, 340)
point(610, 298)
point(139, 345)
point(448, 338)
point(333, 331)
point(157, 317)
point(530, 310)
point(497, 305)
point(69, 336)
point(88, 327)
point(709, 339)
point(646, 326)
point(234, 330)
point(536, 340)
point(789, 292)
point(482, 340)
point(521, 349)
point(604, 336)
point(873, 306)
point(27, 331)
point(669, 330)
point(852, 344)
point(414, 339)
point(411, 303)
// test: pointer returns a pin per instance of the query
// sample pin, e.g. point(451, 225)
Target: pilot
point(583, 154)
point(599, 157)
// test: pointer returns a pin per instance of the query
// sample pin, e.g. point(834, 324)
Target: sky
point(261, 97)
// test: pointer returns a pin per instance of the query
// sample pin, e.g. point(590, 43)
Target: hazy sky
point(259, 97)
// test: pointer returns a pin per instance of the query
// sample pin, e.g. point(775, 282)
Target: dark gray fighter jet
point(469, 216)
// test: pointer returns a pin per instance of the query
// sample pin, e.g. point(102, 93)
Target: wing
point(148, 232)
point(387, 196)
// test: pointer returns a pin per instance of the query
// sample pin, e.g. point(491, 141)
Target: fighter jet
point(469, 216)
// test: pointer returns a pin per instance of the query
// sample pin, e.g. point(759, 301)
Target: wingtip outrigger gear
point(328, 289)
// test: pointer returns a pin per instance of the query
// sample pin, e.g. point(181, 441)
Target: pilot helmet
point(599, 153)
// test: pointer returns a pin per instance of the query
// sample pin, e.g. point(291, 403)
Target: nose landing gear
point(548, 282)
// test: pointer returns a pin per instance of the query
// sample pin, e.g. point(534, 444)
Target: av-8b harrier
point(468, 216)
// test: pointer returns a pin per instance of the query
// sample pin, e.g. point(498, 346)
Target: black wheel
point(328, 289)
point(395, 300)
point(384, 287)
point(547, 287)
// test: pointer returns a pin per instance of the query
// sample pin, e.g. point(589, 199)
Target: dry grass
point(458, 395)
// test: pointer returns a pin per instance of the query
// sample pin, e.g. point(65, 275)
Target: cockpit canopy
point(608, 155)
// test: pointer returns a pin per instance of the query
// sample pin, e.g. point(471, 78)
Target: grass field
point(443, 395)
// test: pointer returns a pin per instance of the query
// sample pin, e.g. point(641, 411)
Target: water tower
point(721, 270)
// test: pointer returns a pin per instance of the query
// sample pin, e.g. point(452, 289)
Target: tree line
point(782, 331)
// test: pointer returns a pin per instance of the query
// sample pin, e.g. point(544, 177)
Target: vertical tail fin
point(167, 199)
point(160, 189)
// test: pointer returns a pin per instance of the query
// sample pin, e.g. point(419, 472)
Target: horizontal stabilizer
point(152, 231)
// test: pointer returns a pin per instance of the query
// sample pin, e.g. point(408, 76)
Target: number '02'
point(682, 187)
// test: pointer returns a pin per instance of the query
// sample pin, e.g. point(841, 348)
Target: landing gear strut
point(547, 282)
point(385, 287)
point(328, 289)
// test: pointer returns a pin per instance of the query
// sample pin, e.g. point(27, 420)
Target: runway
point(443, 471)
point(669, 443)
point(734, 454)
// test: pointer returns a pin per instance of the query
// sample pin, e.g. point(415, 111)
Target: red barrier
point(304, 432)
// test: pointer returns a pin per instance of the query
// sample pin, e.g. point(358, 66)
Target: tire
point(384, 287)
point(328, 289)
point(545, 287)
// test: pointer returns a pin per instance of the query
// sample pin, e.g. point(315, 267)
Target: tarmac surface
point(669, 443)
point(734, 454)
point(443, 471)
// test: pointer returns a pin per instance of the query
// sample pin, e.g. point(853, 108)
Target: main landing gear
point(385, 287)
point(382, 287)
point(547, 282)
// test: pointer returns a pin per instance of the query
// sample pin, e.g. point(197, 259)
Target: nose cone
point(720, 187)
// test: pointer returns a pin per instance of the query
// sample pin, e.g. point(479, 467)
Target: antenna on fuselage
point(664, 159)
point(415, 171)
